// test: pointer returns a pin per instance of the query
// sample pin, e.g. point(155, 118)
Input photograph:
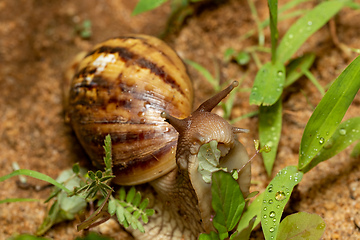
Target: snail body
point(125, 87)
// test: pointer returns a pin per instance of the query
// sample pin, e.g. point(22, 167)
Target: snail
point(137, 89)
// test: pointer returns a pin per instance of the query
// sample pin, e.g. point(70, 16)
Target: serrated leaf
point(276, 196)
point(147, 5)
point(329, 113)
point(227, 201)
point(346, 133)
point(270, 122)
point(108, 154)
point(301, 226)
point(302, 29)
point(268, 84)
point(208, 158)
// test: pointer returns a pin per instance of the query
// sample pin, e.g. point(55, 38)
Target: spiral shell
point(120, 88)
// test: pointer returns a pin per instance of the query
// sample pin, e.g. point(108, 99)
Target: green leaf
point(301, 226)
point(227, 201)
point(11, 200)
point(356, 151)
point(27, 237)
point(122, 194)
point(346, 134)
point(147, 5)
point(36, 175)
point(302, 29)
point(295, 69)
point(211, 236)
point(208, 158)
point(254, 210)
point(276, 196)
point(242, 58)
point(268, 85)
point(329, 113)
point(144, 204)
point(245, 233)
point(206, 74)
point(228, 54)
point(270, 119)
point(76, 168)
point(273, 4)
point(112, 207)
point(130, 195)
point(93, 236)
point(108, 154)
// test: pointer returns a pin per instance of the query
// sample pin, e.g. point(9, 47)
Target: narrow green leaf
point(36, 175)
point(268, 85)
point(347, 133)
point(112, 207)
point(122, 194)
point(329, 113)
point(295, 69)
point(130, 195)
point(302, 29)
point(245, 233)
point(144, 204)
point(11, 200)
point(276, 196)
point(145, 218)
point(206, 74)
point(356, 151)
point(227, 201)
point(301, 226)
point(273, 9)
point(147, 5)
point(254, 210)
point(149, 212)
point(270, 119)
point(137, 199)
point(108, 154)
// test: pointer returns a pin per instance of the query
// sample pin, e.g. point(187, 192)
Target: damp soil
point(39, 38)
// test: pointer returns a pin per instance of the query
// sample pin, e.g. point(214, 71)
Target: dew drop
point(274, 220)
point(278, 206)
point(264, 216)
point(342, 132)
point(280, 195)
point(270, 201)
point(320, 226)
point(280, 73)
point(321, 140)
point(272, 229)
point(309, 23)
point(270, 189)
point(265, 209)
point(272, 214)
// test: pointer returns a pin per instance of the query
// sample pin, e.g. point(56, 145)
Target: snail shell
point(120, 88)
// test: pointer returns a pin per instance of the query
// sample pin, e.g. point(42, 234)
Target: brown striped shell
point(120, 88)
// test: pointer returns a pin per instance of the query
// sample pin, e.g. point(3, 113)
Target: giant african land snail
point(124, 87)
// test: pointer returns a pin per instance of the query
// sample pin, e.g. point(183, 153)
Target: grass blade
point(147, 5)
point(347, 133)
point(301, 30)
point(276, 195)
point(36, 175)
point(268, 85)
point(273, 27)
point(270, 119)
point(329, 113)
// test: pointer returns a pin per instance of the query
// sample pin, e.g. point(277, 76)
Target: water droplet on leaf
point(272, 214)
point(280, 195)
point(342, 132)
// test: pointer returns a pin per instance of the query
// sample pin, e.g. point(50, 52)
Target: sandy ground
point(38, 40)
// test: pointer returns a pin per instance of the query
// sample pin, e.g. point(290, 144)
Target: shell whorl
point(120, 88)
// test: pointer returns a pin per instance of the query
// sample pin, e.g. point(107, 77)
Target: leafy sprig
point(129, 208)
